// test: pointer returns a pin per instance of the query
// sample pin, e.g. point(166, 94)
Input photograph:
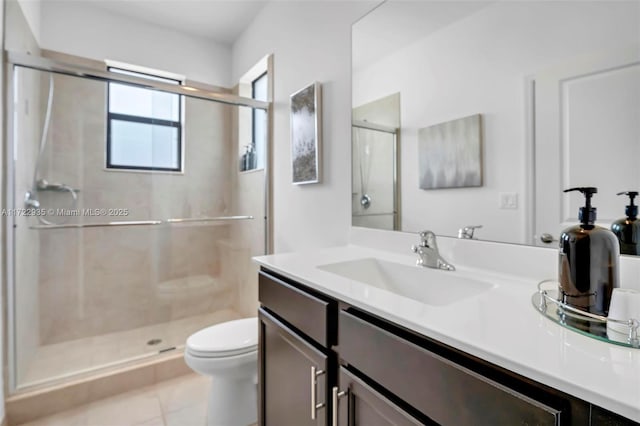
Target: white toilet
point(228, 352)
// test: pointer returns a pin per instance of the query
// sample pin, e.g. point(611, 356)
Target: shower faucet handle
point(30, 202)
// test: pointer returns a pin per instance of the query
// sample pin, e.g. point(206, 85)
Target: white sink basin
point(429, 286)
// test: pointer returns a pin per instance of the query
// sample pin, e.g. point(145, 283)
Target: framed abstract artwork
point(450, 154)
point(306, 138)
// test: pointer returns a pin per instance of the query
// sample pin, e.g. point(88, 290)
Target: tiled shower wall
point(107, 279)
point(248, 198)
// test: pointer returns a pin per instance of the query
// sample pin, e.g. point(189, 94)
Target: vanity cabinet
point(358, 369)
point(296, 367)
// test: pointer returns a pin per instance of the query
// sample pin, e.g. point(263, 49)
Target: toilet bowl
point(228, 353)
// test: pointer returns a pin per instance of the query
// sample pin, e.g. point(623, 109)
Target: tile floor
point(64, 359)
point(177, 402)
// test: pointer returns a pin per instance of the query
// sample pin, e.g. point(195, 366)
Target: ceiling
point(220, 20)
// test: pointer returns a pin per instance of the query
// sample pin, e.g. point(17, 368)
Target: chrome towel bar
point(143, 222)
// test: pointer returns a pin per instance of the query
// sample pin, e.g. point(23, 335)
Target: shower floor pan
point(57, 362)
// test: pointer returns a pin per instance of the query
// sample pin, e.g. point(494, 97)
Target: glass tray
point(617, 332)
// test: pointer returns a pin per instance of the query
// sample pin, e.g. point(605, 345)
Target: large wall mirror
point(481, 113)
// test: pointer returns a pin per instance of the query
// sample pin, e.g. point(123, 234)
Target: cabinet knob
point(335, 395)
point(314, 390)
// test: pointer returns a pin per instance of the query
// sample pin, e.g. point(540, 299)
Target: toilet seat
point(225, 340)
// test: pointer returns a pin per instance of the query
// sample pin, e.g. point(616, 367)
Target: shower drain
point(154, 342)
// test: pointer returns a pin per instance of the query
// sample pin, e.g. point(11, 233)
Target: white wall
point(79, 28)
point(31, 11)
point(479, 65)
point(310, 41)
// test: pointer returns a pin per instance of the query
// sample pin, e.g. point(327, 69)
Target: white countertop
point(499, 325)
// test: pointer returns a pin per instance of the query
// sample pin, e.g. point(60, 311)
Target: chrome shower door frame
point(15, 60)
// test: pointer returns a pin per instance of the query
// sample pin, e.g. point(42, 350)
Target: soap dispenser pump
point(588, 266)
point(628, 229)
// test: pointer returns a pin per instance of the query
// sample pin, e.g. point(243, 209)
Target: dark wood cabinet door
point(361, 405)
point(287, 388)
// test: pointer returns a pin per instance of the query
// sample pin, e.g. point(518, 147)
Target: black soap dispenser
point(628, 229)
point(588, 265)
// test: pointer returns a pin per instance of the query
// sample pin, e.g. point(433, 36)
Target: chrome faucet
point(429, 254)
point(466, 233)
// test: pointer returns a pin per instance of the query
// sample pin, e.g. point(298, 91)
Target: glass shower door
point(115, 265)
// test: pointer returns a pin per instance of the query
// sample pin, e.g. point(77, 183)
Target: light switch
point(509, 200)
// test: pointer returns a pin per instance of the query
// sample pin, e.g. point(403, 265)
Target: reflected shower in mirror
point(374, 192)
point(557, 85)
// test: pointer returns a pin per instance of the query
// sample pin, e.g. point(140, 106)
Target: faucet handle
point(428, 239)
point(467, 231)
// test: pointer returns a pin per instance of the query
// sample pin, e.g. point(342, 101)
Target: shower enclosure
point(126, 231)
point(374, 176)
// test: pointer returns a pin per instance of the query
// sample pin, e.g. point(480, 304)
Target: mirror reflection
point(555, 87)
point(375, 135)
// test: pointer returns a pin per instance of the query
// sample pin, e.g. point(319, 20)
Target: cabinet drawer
point(307, 312)
point(446, 392)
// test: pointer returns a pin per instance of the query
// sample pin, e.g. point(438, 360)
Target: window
point(252, 129)
point(144, 126)
point(259, 120)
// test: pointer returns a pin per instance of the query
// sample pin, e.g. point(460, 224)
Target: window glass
point(259, 86)
point(141, 145)
point(259, 122)
point(144, 126)
point(131, 100)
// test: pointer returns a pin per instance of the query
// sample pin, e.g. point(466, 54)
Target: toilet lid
point(225, 339)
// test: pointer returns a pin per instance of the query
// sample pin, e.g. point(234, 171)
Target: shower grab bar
point(43, 185)
point(142, 222)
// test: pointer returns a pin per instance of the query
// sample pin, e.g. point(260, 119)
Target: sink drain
point(154, 342)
